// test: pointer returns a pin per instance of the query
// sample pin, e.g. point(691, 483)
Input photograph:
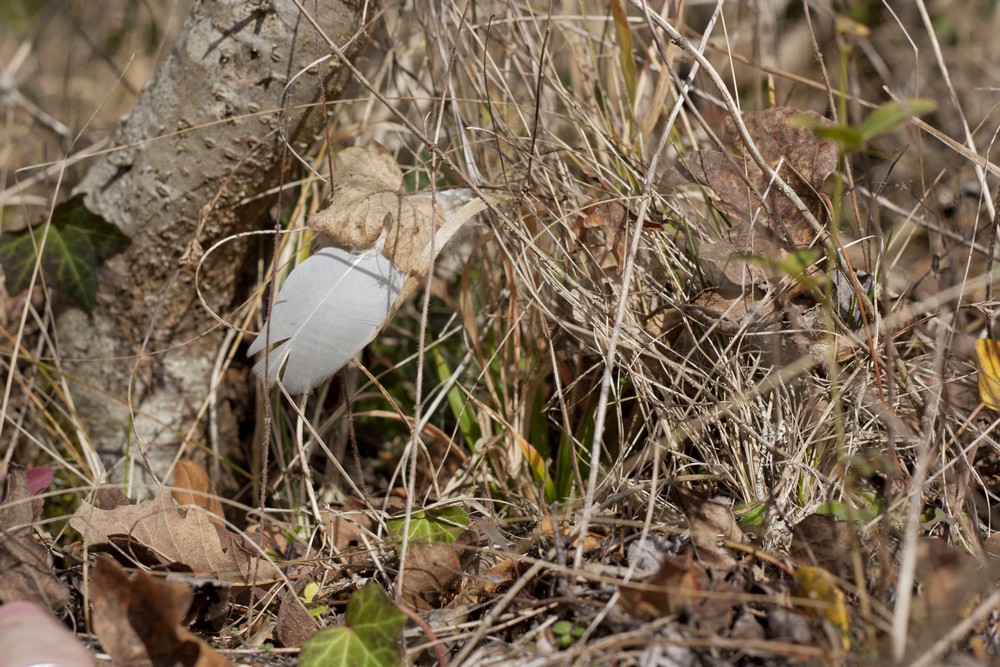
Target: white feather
point(328, 309)
point(335, 303)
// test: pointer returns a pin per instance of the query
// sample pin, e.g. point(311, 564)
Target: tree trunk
point(200, 144)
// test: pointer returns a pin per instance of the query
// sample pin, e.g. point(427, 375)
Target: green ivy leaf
point(367, 638)
point(428, 526)
point(78, 241)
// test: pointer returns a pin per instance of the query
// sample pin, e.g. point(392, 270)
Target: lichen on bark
point(190, 161)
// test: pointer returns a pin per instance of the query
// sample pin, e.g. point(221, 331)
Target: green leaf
point(888, 116)
point(427, 526)
point(456, 401)
point(872, 507)
point(562, 627)
point(565, 476)
point(77, 242)
point(752, 515)
point(367, 638)
point(881, 121)
point(847, 137)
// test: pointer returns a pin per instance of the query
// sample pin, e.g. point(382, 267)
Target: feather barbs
point(336, 301)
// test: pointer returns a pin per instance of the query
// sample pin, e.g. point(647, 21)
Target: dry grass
point(549, 347)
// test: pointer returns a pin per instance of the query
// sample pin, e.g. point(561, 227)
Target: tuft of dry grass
point(556, 370)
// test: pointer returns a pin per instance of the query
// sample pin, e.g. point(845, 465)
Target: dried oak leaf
point(764, 222)
point(612, 218)
point(682, 586)
point(823, 541)
point(369, 200)
point(800, 156)
point(25, 565)
point(433, 569)
point(709, 524)
point(295, 623)
point(192, 486)
point(138, 620)
point(157, 530)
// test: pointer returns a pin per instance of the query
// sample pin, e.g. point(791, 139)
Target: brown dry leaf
point(682, 586)
point(433, 569)
point(295, 623)
point(500, 575)
point(802, 158)
point(369, 199)
point(193, 487)
point(138, 620)
point(823, 541)
point(709, 525)
point(158, 529)
point(25, 565)
point(590, 541)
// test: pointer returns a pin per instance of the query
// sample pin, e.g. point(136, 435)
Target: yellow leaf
point(818, 585)
point(988, 351)
point(625, 56)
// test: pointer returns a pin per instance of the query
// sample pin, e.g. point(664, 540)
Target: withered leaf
point(193, 487)
point(673, 589)
point(369, 200)
point(764, 222)
point(826, 599)
point(801, 157)
point(710, 523)
point(139, 620)
point(172, 536)
point(433, 569)
point(295, 623)
point(25, 565)
point(988, 356)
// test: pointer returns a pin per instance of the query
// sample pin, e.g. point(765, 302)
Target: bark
point(203, 132)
